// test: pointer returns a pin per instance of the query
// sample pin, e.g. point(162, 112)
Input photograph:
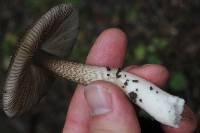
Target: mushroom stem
point(162, 106)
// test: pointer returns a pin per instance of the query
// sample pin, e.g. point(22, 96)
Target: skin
point(110, 47)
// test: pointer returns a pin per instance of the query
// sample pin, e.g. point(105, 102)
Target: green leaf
point(178, 82)
point(140, 52)
point(9, 41)
point(159, 43)
point(151, 48)
point(132, 15)
point(153, 59)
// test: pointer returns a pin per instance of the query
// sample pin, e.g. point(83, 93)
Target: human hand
point(101, 107)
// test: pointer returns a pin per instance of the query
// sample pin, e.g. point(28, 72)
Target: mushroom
point(40, 54)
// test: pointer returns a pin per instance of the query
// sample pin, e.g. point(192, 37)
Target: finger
point(154, 73)
point(159, 75)
point(110, 109)
point(108, 50)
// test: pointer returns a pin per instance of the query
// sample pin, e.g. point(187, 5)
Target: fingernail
point(99, 99)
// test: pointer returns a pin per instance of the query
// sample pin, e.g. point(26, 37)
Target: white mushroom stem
point(162, 106)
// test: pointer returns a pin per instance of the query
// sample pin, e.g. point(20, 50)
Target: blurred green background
point(161, 32)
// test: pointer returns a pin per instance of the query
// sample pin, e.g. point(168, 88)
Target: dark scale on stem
point(151, 88)
point(133, 96)
point(135, 81)
point(140, 100)
point(108, 74)
point(123, 86)
point(117, 73)
point(157, 92)
point(125, 75)
point(126, 83)
point(136, 89)
point(108, 68)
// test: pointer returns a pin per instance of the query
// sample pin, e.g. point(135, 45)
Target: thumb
point(111, 112)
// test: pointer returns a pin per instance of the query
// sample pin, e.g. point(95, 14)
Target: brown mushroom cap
point(55, 33)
